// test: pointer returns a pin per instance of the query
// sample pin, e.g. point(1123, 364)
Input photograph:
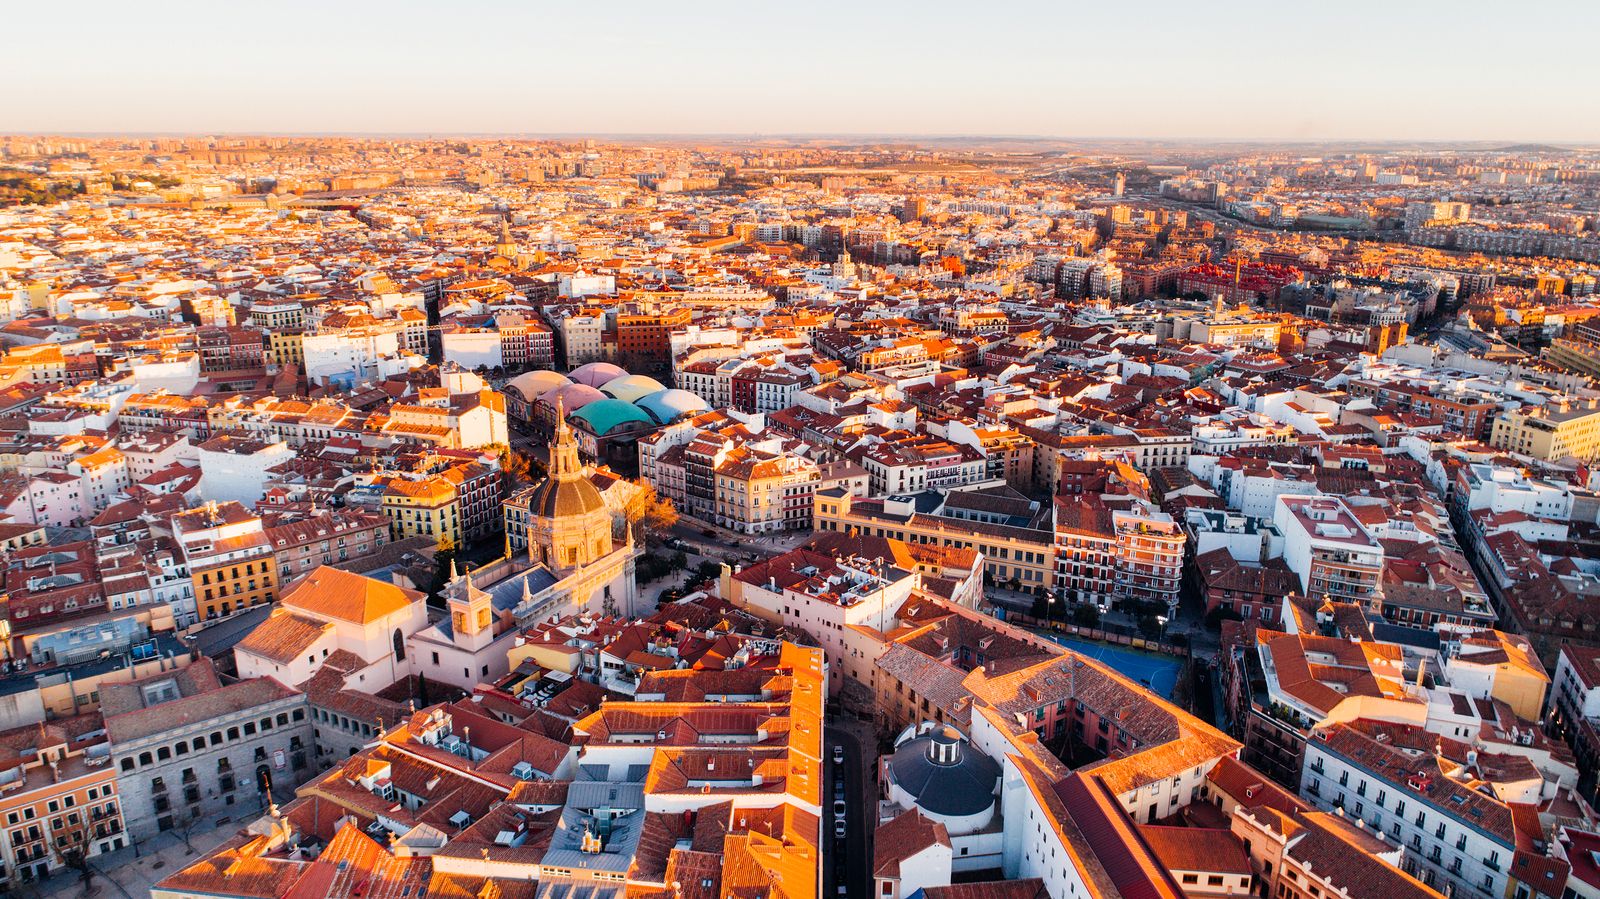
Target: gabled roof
point(330, 592)
point(901, 839)
point(283, 636)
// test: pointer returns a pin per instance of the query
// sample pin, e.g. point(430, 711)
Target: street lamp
point(1161, 620)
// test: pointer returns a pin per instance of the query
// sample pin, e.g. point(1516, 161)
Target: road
point(725, 545)
point(1216, 217)
point(848, 857)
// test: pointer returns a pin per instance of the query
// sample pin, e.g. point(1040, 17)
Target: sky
point(1225, 69)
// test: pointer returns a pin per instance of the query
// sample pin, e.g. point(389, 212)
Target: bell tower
point(471, 614)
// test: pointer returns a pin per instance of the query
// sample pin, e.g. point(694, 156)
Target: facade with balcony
point(1329, 550)
point(1455, 839)
point(59, 802)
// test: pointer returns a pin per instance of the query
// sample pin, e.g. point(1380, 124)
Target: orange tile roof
point(283, 636)
point(334, 593)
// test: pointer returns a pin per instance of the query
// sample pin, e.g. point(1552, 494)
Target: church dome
point(567, 492)
point(557, 498)
point(597, 374)
point(944, 776)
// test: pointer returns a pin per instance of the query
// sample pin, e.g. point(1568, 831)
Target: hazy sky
point(1403, 69)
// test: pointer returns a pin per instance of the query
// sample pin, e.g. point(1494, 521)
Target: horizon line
point(1574, 144)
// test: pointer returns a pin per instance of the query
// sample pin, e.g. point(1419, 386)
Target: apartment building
point(1149, 556)
point(1126, 550)
point(1457, 839)
point(1296, 852)
point(1330, 550)
point(1574, 711)
point(323, 537)
point(229, 558)
point(425, 507)
point(643, 337)
point(1010, 552)
point(238, 468)
point(1549, 434)
point(836, 599)
point(58, 799)
point(759, 492)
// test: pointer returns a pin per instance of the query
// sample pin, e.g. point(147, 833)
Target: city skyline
point(499, 450)
point(1402, 74)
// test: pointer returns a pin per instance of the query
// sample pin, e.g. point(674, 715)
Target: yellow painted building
point(286, 347)
point(1026, 555)
point(1549, 434)
point(230, 560)
point(428, 507)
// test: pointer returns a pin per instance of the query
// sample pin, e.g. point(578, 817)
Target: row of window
point(199, 744)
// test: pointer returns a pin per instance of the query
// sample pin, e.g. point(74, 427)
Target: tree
point(1149, 627)
point(443, 566)
point(646, 512)
point(184, 823)
point(77, 858)
point(1085, 615)
point(515, 470)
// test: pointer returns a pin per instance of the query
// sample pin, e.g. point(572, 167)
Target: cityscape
point(470, 502)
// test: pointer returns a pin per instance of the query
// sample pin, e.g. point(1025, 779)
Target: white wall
point(470, 349)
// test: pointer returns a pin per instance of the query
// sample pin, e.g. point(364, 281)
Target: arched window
point(127, 764)
point(399, 646)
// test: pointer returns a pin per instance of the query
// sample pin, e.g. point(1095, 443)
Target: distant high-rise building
point(1423, 213)
point(1119, 184)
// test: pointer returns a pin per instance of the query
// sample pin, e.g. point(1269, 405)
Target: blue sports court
point(1159, 673)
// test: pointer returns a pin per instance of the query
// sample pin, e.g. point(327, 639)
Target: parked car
point(838, 753)
point(838, 830)
point(838, 788)
point(838, 809)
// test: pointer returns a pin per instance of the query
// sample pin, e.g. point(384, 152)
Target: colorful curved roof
point(534, 384)
point(667, 406)
point(597, 374)
point(572, 396)
point(632, 388)
point(604, 415)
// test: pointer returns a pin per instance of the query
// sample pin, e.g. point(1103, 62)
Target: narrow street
point(846, 862)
